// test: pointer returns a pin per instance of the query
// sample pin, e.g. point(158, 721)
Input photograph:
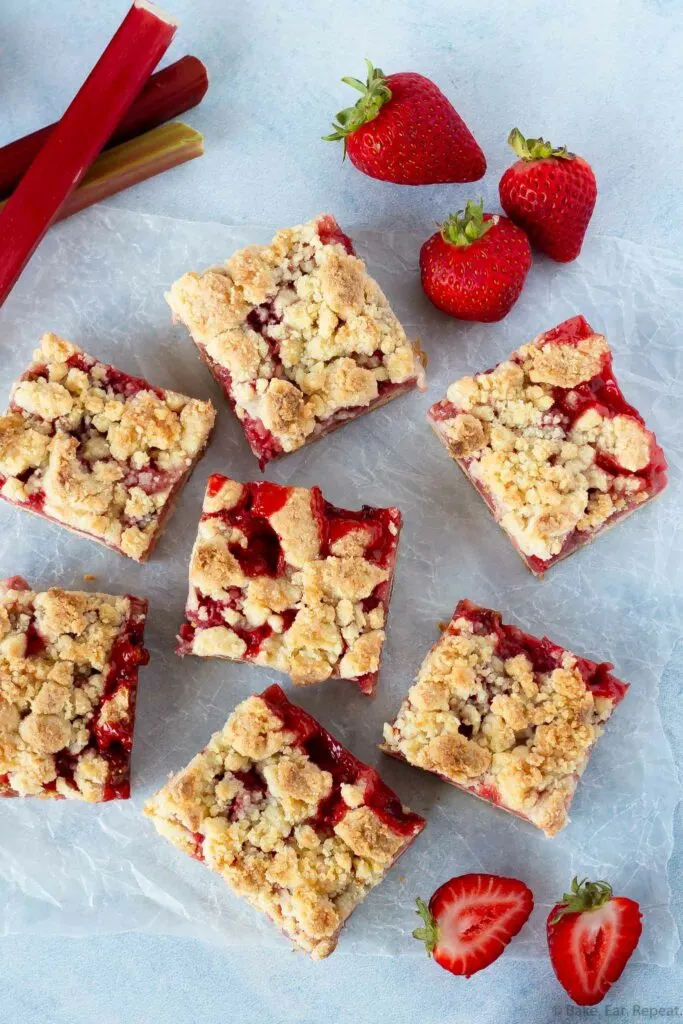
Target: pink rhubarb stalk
point(134, 161)
point(168, 94)
point(107, 94)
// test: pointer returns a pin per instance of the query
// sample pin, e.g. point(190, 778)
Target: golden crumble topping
point(97, 451)
point(301, 330)
point(550, 443)
point(66, 711)
point(280, 829)
point(319, 614)
point(491, 722)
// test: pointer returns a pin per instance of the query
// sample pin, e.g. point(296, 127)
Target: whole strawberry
point(475, 266)
point(591, 936)
point(403, 129)
point(550, 193)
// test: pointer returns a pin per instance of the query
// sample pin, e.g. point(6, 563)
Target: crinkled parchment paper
point(82, 870)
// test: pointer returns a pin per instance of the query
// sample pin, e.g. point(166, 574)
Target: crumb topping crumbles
point(291, 820)
point(280, 577)
point(550, 442)
point(509, 718)
point(68, 677)
point(97, 450)
point(296, 332)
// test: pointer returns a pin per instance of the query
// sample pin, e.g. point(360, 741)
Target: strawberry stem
point(430, 933)
point(536, 149)
point(374, 94)
point(466, 226)
point(584, 896)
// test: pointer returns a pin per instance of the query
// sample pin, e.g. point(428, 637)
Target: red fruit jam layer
point(330, 233)
point(544, 655)
point(263, 555)
point(328, 753)
point(602, 393)
point(112, 741)
point(115, 380)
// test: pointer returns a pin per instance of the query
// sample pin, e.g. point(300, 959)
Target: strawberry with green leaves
point(403, 129)
point(475, 266)
point(551, 193)
point(591, 936)
point(471, 919)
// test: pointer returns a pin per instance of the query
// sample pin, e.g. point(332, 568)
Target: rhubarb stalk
point(134, 161)
point(168, 94)
point(107, 94)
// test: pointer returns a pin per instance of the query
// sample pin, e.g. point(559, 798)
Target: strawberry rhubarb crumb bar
point(504, 715)
point(282, 578)
point(96, 450)
point(293, 822)
point(298, 336)
point(550, 443)
point(68, 681)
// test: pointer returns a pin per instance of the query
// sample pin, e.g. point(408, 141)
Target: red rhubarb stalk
point(168, 94)
point(134, 161)
point(107, 94)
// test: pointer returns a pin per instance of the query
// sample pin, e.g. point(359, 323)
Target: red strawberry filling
point(262, 555)
point(544, 655)
point(329, 754)
point(330, 233)
point(113, 380)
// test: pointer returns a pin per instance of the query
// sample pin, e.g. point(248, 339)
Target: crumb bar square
point(507, 716)
point(68, 680)
point(298, 336)
point(282, 578)
point(293, 822)
point(551, 444)
point(96, 450)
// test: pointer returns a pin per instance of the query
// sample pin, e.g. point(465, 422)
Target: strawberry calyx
point(584, 896)
point(466, 226)
point(536, 149)
point(374, 94)
point(430, 933)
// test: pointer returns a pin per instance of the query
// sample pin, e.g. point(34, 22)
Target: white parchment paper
point(84, 870)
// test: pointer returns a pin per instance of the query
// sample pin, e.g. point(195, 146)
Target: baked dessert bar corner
point(298, 336)
point(506, 716)
point(282, 578)
point(291, 820)
point(69, 665)
point(96, 450)
point(551, 444)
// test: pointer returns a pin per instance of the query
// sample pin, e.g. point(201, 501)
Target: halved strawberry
point(471, 919)
point(591, 936)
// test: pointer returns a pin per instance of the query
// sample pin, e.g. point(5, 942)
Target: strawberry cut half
point(591, 936)
point(471, 919)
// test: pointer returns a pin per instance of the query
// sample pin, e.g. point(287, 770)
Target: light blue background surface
point(605, 77)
